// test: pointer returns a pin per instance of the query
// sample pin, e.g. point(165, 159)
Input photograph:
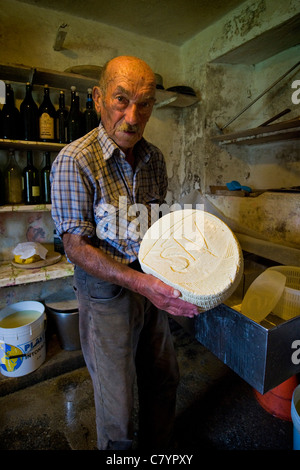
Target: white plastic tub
point(289, 303)
point(22, 348)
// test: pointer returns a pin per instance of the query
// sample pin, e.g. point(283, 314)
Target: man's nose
point(132, 115)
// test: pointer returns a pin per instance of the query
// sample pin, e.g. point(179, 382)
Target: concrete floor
point(53, 409)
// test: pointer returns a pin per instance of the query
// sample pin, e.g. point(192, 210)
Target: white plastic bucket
point(22, 348)
point(295, 413)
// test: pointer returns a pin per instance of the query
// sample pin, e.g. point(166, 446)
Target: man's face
point(127, 104)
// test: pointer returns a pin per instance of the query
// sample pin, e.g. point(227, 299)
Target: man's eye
point(121, 99)
point(146, 106)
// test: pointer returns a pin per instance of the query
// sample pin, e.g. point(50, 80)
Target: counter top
point(12, 276)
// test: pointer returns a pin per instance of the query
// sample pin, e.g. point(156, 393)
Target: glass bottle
point(45, 180)
point(31, 186)
point(90, 116)
point(10, 118)
point(2, 196)
point(61, 120)
point(47, 118)
point(13, 181)
point(73, 123)
point(80, 114)
point(29, 115)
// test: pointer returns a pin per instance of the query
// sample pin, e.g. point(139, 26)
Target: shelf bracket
point(60, 37)
point(166, 102)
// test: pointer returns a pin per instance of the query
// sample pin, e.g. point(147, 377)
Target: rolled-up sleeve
point(71, 197)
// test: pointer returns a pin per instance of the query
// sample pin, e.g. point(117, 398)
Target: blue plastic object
point(296, 418)
point(236, 186)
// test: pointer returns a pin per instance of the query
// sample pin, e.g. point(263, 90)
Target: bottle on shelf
point(47, 118)
point(10, 116)
point(13, 180)
point(31, 184)
point(61, 120)
point(90, 116)
point(73, 123)
point(81, 122)
point(2, 196)
point(45, 180)
point(29, 115)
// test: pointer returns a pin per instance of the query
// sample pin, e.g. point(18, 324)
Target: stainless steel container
point(262, 354)
point(63, 313)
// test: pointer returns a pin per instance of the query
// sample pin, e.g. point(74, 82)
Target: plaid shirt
point(95, 193)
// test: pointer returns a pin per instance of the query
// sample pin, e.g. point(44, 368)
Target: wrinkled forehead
point(134, 74)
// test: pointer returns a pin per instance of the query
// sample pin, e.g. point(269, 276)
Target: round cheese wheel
point(196, 253)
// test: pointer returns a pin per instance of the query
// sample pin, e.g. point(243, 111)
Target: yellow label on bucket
point(10, 357)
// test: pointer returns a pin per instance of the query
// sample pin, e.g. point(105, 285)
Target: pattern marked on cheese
point(196, 253)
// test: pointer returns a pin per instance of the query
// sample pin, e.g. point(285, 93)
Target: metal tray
point(262, 354)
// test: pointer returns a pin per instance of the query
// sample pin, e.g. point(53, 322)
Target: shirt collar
point(110, 148)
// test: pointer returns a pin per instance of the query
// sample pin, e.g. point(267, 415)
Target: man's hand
point(165, 297)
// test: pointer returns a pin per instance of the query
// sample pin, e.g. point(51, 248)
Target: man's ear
point(97, 97)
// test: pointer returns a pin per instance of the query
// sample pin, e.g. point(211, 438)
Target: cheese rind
point(196, 253)
point(32, 259)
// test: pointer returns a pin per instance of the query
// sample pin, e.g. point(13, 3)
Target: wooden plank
point(285, 130)
point(16, 73)
point(29, 145)
point(269, 43)
point(177, 100)
point(63, 80)
point(40, 77)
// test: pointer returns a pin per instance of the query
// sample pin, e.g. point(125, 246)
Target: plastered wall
point(27, 35)
point(226, 89)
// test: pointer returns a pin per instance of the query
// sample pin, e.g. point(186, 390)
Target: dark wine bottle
point(2, 195)
point(13, 180)
point(31, 186)
point(90, 116)
point(29, 115)
point(10, 118)
point(80, 114)
point(47, 118)
point(61, 120)
point(45, 180)
point(73, 125)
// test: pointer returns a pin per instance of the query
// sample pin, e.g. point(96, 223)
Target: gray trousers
point(124, 339)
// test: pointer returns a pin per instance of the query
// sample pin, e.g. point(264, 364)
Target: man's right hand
point(165, 297)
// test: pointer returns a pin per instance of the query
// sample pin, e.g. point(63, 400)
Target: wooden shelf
point(178, 100)
point(64, 81)
point(26, 208)
point(29, 145)
point(288, 130)
point(40, 77)
point(265, 45)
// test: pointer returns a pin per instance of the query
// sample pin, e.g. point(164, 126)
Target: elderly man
point(124, 329)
